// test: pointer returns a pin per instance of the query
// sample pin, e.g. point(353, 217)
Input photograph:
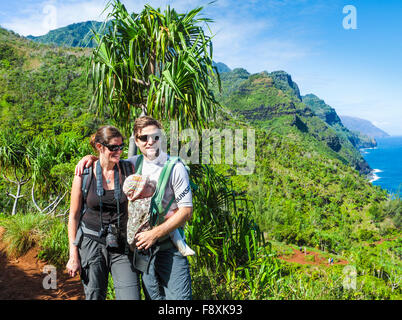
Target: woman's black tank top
point(91, 217)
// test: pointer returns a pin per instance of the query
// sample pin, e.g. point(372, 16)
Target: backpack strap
point(86, 181)
point(138, 164)
point(126, 168)
point(157, 211)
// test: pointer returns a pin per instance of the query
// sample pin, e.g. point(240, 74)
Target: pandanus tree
point(160, 64)
point(155, 63)
point(43, 155)
point(13, 163)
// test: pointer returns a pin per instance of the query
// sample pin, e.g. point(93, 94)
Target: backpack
point(157, 212)
point(155, 215)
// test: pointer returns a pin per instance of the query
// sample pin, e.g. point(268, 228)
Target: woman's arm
point(73, 265)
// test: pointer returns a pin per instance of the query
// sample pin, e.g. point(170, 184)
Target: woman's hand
point(73, 266)
point(85, 162)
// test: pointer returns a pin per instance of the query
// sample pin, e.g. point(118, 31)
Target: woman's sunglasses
point(145, 137)
point(113, 147)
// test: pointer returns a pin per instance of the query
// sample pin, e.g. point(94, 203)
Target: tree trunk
point(17, 196)
point(51, 207)
point(19, 183)
point(132, 147)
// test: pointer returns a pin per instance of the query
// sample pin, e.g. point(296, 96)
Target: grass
point(54, 245)
point(23, 232)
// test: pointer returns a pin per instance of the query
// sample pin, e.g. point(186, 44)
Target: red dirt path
point(300, 257)
point(22, 278)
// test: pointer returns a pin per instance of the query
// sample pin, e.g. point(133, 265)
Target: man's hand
point(85, 162)
point(146, 239)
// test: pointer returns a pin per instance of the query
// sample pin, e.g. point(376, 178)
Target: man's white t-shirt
point(178, 184)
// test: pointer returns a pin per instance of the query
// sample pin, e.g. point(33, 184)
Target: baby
point(139, 191)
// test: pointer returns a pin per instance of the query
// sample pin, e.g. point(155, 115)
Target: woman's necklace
point(109, 179)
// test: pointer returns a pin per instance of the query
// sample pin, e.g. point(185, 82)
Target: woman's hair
point(104, 135)
point(145, 121)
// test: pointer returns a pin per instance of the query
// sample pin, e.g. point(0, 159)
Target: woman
point(100, 246)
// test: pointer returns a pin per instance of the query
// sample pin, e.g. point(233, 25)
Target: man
point(169, 273)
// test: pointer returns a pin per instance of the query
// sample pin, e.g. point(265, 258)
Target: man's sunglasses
point(113, 147)
point(145, 137)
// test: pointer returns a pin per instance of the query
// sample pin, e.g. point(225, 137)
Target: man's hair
point(145, 121)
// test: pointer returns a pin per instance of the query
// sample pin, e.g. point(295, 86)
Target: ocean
point(386, 162)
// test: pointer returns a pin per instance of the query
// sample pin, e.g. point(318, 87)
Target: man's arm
point(147, 238)
point(180, 186)
point(85, 162)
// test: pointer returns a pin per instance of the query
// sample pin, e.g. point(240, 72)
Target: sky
point(347, 53)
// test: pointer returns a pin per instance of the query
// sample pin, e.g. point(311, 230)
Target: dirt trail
point(382, 240)
point(302, 258)
point(22, 279)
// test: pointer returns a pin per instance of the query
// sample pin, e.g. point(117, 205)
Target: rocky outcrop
point(284, 82)
point(363, 126)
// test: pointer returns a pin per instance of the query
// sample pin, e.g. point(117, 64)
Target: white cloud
point(245, 40)
point(38, 19)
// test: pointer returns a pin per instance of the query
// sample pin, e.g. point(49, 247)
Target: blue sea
point(386, 160)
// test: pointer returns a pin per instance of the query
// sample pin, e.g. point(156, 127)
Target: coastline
point(372, 175)
point(384, 157)
point(363, 150)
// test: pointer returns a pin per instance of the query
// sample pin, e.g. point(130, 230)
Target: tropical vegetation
point(308, 188)
point(156, 62)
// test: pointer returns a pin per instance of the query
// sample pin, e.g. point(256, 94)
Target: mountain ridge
point(276, 89)
point(73, 35)
point(264, 98)
point(363, 126)
point(328, 114)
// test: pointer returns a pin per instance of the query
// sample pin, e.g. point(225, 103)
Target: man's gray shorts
point(97, 262)
point(168, 277)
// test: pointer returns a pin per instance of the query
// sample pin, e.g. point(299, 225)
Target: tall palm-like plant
point(155, 63)
point(13, 161)
point(223, 224)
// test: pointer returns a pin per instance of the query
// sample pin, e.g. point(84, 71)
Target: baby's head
point(137, 186)
point(149, 189)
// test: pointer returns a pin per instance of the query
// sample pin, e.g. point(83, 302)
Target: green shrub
point(54, 244)
point(23, 232)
